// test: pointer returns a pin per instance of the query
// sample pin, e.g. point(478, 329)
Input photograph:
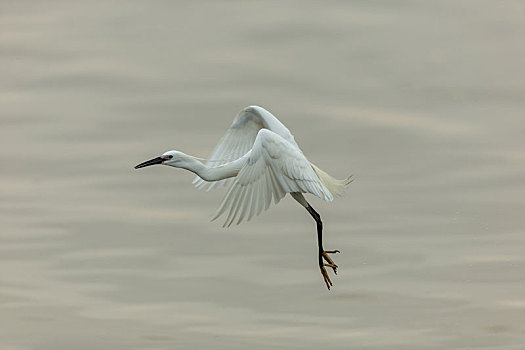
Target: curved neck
point(211, 173)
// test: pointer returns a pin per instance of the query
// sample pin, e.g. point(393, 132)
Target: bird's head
point(172, 158)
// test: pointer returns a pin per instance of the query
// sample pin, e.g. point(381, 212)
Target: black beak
point(153, 161)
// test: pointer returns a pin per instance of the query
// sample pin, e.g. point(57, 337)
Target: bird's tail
point(335, 186)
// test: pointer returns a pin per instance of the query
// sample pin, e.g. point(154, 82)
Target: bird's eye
point(170, 156)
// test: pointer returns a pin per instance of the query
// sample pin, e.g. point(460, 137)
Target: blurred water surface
point(422, 101)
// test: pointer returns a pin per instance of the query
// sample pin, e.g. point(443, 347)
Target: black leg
point(322, 253)
point(319, 223)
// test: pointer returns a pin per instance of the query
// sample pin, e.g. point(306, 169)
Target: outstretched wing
point(237, 141)
point(273, 168)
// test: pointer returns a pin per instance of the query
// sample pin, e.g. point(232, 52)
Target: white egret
point(259, 159)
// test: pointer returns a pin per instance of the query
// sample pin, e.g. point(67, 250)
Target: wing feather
point(273, 168)
point(237, 141)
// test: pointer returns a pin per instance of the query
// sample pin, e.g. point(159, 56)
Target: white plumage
point(239, 139)
point(259, 160)
point(271, 169)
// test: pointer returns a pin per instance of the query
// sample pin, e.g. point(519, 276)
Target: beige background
point(422, 101)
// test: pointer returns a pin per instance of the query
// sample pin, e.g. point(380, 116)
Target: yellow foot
point(329, 263)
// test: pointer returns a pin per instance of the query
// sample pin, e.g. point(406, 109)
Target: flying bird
point(258, 159)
